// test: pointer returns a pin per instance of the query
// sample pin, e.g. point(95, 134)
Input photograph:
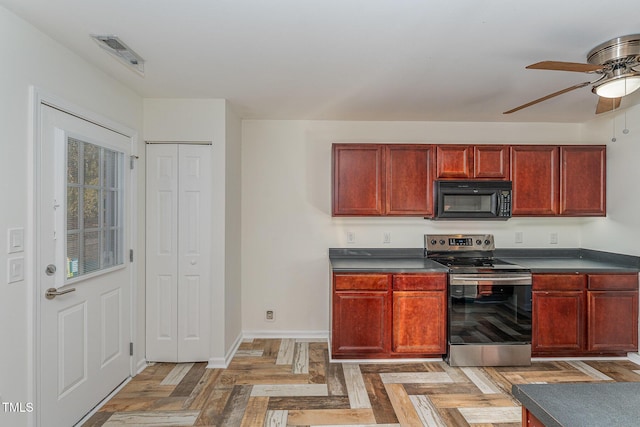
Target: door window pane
point(94, 208)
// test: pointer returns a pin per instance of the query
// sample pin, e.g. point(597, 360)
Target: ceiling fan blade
point(565, 66)
point(607, 104)
point(544, 98)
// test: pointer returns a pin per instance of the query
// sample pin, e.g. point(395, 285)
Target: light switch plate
point(15, 239)
point(15, 270)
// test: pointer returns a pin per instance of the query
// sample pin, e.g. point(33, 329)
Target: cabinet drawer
point(623, 282)
point(420, 282)
point(368, 282)
point(559, 282)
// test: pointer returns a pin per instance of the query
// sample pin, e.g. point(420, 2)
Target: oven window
point(468, 203)
point(485, 314)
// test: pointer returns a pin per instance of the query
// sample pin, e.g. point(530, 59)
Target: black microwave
point(472, 199)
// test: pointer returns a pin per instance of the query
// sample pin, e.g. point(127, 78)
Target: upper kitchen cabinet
point(553, 180)
point(472, 162)
point(383, 179)
point(409, 180)
point(535, 171)
point(358, 179)
point(583, 180)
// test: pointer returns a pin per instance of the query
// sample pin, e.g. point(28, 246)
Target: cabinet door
point(558, 321)
point(583, 180)
point(409, 173)
point(491, 161)
point(419, 322)
point(530, 420)
point(358, 179)
point(454, 161)
point(612, 321)
point(360, 323)
point(534, 172)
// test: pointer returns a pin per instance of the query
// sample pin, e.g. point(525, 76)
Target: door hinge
point(130, 255)
point(132, 160)
point(130, 349)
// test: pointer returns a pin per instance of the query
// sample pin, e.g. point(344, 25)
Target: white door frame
point(37, 99)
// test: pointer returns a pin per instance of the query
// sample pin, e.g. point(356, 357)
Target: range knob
point(478, 242)
point(487, 242)
point(441, 241)
point(433, 241)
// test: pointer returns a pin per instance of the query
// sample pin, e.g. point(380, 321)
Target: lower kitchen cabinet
point(360, 314)
point(558, 313)
point(613, 312)
point(388, 315)
point(419, 314)
point(581, 315)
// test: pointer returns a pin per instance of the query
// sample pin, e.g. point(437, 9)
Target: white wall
point(620, 231)
point(198, 120)
point(287, 226)
point(233, 230)
point(31, 58)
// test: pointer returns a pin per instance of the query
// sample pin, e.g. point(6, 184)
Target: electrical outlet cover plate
point(269, 315)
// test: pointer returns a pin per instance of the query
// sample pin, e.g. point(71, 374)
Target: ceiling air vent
point(124, 53)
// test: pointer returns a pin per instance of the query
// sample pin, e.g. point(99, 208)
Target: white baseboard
point(141, 366)
point(634, 357)
point(223, 362)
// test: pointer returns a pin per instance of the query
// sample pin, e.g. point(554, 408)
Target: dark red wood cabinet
point(612, 301)
point(583, 180)
point(584, 314)
point(419, 313)
point(360, 314)
point(535, 172)
point(558, 313)
point(358, 179)
point(558, 180)
point(397, 179)
point(388, 315)
point(409, 179)
point(383, 179)
point(472, 162)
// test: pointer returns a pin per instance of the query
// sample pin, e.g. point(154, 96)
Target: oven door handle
point(487, 279)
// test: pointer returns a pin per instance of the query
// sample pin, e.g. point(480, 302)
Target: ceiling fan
point(617, 62)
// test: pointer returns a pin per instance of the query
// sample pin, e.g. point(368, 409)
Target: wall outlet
point(386, 237)
point(351, 236)
point(270, 316)
point(553, 238)
point(519, 238)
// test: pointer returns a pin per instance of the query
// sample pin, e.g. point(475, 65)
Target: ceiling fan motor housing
point(621, 50)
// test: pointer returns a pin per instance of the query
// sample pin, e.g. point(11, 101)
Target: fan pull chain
point(625, 130)
point(613, 139)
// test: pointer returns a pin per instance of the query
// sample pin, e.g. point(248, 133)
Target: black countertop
point(582, 404)
point(409, 260)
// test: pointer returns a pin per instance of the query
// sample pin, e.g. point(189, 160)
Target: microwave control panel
point(504, 207)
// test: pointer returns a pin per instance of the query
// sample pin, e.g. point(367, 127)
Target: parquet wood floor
point(273, 382)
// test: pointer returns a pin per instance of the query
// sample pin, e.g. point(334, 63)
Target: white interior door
point(178, 252)
point(84, 332)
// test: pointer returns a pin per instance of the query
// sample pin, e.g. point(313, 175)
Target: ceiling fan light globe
point(618, 87)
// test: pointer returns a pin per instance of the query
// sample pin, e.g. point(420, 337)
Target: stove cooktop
point(464, 253)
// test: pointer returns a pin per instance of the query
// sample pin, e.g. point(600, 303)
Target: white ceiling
point(459, 60)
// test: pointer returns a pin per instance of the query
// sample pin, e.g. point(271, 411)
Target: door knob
point(53, 292)
point(50, 270)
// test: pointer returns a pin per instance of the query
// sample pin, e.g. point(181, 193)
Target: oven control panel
point(458, 242)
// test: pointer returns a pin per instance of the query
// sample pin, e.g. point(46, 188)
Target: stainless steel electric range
point(489, 302)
